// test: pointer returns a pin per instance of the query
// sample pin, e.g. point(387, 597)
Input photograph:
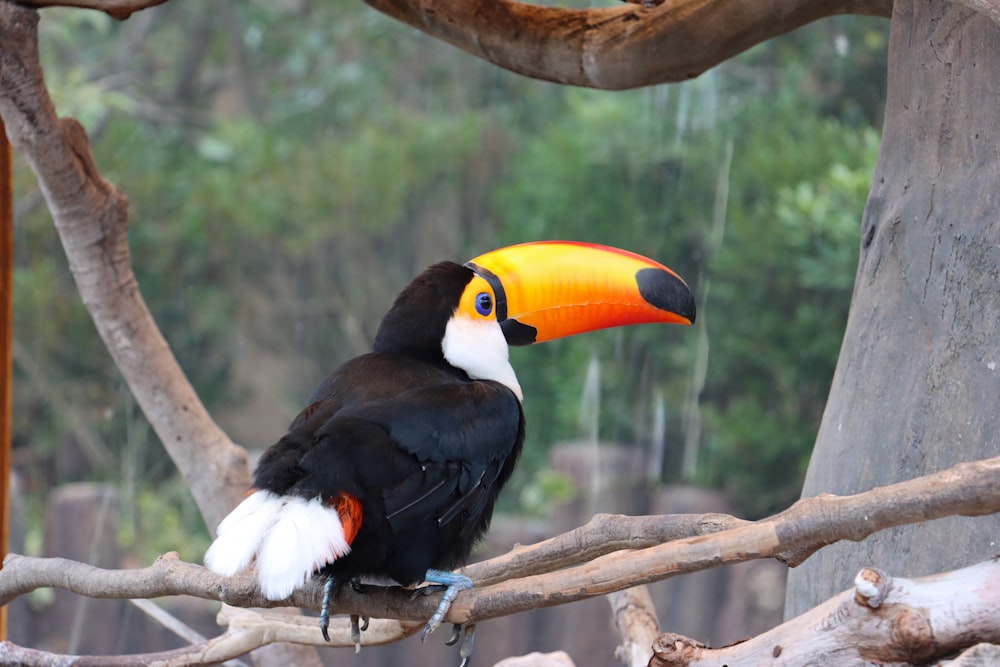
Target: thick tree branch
point(882, 620)
point(91, 216)
point(603, 534)
point(556, 575)
point(625, 46)
point(968, 489)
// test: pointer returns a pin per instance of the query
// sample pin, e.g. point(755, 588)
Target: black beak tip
point(517, 333)
point(666, 291)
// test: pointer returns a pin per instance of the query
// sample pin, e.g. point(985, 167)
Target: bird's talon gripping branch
point(455, 582)
point(324, 615)
point(394, 467)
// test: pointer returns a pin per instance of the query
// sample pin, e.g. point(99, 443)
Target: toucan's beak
point(552, 289)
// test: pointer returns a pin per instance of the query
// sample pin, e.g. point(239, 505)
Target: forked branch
point(551, 572)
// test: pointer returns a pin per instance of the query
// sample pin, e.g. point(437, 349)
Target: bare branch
point(603, 534)
point(968, 489)
point(91, 216)
point(118, 9)
point(624, 46)
point(549, 574)
point(882, 620)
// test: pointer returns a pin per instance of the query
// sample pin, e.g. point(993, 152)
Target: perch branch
point(91, 217)
point(623, 46)
point(882, 620)
point(556, 575)
point(603, 534)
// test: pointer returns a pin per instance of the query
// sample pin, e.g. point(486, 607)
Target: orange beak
point(552, 289)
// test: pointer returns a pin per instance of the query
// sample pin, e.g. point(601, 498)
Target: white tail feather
point(307, 536)
point(241, 533)
point(291, 537)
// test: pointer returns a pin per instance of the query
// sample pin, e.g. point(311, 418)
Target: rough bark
point(920, 362)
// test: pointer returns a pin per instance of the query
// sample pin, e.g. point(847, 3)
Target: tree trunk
point(917, 386)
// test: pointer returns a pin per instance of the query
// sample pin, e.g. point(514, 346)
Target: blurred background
point(291, 165)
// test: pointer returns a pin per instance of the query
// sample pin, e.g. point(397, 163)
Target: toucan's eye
point(484, 303)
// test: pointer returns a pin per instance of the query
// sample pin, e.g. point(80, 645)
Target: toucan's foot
point(357, 627)
point(453, 583)
point(324, 615)
point(466, 651)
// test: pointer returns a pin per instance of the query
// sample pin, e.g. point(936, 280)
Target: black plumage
point(422, 446)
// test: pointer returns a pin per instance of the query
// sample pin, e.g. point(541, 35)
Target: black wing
point(466, 438)
point(438, 450)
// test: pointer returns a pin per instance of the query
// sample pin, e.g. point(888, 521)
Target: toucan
point(393, 468)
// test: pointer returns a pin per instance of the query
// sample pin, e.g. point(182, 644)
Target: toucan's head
point(525, 294)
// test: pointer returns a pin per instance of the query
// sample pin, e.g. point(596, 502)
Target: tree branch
point(91, 217)
point(882, 620)
point(625, 46)
point(550, 573)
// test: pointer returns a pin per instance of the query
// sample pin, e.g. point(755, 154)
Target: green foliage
point(780, 292)
point(291, 165)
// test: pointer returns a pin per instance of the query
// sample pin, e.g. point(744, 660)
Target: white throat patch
point(479, 348)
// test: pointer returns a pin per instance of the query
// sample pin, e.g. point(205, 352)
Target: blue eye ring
point(484, 303)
